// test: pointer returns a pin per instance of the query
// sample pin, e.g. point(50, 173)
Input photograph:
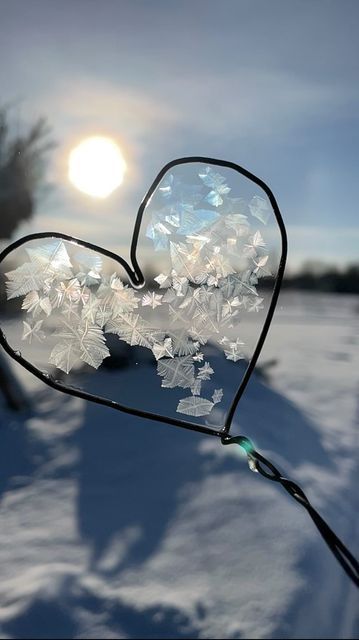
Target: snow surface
point(115, 527)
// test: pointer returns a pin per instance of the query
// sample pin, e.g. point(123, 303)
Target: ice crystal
point(52, 258)
point(215, 259)
point(217, 184)
point(182, 343)
point(27, 277)
point(70, 310)
point(163, 280)
point(116, 296)
point(205, 372)
point(158, 232)
point(163, 350)
point(179, 284)
point(196, 387)
point(91, 308)
point(195, 220)
point(68, 289)
point(134, 330)
point(255, 243)
point(254, 304)
point(239, 223)
point(195, 406)
point(217, 396)
point(260, 267)
point(35, 304)
point(259, 209)
point(185, 262)
point(151, 299)
point(90, 269)
point(33, 330)
point(64, 356)
point(176, 372)
point(83, 341)
point(172, 187)
point(229, 307)
point(234, 350)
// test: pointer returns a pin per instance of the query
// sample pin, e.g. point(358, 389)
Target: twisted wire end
point(260, 464)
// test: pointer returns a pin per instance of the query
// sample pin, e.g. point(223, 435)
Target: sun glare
point(96, 166)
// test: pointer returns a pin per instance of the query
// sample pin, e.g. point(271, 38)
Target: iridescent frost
point(216, 259)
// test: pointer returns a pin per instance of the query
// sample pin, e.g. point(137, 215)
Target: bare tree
point(22, 172)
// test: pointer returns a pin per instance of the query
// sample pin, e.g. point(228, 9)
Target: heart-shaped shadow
point(182, 326)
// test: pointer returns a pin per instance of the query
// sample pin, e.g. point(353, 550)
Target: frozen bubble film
point(209, 248)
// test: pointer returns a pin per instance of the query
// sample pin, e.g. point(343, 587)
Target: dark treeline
point(331, 280)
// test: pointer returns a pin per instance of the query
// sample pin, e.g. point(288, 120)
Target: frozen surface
point(114, 527)
point(209, 255)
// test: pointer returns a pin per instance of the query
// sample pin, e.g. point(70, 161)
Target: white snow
point(116, 527)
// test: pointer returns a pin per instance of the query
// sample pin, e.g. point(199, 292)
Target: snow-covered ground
point(115, 527)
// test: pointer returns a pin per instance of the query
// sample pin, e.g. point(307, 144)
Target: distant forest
point(331, 280)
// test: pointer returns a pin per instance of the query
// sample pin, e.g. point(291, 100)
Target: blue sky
point(272, 85)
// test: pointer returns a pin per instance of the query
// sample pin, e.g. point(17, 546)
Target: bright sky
point(272, 86)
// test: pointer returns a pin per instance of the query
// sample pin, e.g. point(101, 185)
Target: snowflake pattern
point(216, 260)
point(152, 300)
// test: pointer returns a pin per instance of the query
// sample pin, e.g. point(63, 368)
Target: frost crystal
point(254, 304)
point(84, 341)
point(151, 300)
point(178, 372)
point(217, 396)
point(33, 330)
point(133, 330)
point(260, 267)
point(163, 350)
point(205, 372)
point(233, 350)
point(163, 280)
point(195, 406)
point(28, 277)
point(259, 209)
point(238, 222)
point(35, 304)
point(212, 268)
point(217, 184)
point(196, 387)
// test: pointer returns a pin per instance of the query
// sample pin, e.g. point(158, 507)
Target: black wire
point(136, 277)
point(268, 470)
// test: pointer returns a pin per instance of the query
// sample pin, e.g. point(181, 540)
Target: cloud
point(332, 245)
point(254, 102)
point(89, 100)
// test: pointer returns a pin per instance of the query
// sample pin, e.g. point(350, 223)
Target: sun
point(96, 166)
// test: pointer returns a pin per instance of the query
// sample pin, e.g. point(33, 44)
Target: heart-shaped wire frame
point(137, 278)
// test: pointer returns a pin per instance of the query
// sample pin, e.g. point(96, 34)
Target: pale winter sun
point(96, 166)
